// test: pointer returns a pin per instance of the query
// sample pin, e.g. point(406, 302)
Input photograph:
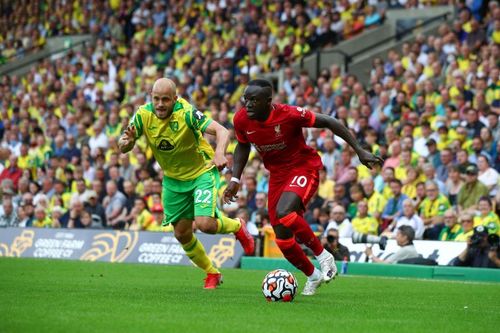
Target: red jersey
point(279, 139)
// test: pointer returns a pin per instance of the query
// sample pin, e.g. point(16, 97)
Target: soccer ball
point(279, 285)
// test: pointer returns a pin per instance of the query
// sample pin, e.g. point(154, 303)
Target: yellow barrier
point(271, 250)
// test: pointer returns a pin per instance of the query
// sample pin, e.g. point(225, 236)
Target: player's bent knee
point(206, 224)
point(183, 231)
point(282, 232)
point(183, 236)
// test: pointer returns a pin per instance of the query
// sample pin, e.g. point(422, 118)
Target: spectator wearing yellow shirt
point(25, 159)
point(410, 182)
point(451, 226)
point(42, 220)
point(356, 193)
point(467, 223)
point(405, 163)
point(376, 201)
point(364, 223)
point(388, 174)
point(432, 210)
point(486, 216)
point(325, 187)
point(140, 217)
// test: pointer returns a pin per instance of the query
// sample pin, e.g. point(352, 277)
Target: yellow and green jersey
point(449, 234)
point(45, 223)
point(365, 225)
point(434, 208)
point(464, 236)
point(146, 221)
point(491, 221)
point(177, 143)
point(376, 203)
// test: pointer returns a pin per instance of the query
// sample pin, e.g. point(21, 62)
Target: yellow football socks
point(196, 252)
point(226, 225)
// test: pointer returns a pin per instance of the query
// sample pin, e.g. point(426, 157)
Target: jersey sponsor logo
point(164, 145)
point(152, 128)
point(274, 146)
point(251, 132)
point(174, 125)
point(199, 115)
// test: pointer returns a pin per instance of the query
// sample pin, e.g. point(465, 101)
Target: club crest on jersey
point(174, 126)
point(302, 111)
point(164, 145)
point(277, 130)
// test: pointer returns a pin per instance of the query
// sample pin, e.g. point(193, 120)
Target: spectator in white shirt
point(409, 218)
point(339, 222)
point(487, 175)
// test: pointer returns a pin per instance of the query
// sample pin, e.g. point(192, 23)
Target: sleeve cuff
point(204, 127)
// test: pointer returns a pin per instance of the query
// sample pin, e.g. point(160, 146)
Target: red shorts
point(303, 182)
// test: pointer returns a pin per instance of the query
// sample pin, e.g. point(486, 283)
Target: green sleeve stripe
point(205, 124)
point(138, 125)
point(189, 121)
point(177, 105)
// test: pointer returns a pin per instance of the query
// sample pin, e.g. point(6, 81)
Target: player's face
point(163, 102)
point(257, 101)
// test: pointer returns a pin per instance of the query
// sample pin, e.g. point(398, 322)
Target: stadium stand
point(430, 110)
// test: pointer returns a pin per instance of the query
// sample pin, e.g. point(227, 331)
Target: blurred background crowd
point(430, 110)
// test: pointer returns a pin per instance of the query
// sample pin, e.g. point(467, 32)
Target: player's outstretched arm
point(127, 139)
point(367, 158)
point(241, 153)
point(222, 137)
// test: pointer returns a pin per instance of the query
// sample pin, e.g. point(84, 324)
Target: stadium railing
point(22, 65)
point(348, 58)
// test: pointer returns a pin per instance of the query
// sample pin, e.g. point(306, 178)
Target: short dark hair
point(397, 181)
point(261, 83)
point(408, 232)
point(487, 199)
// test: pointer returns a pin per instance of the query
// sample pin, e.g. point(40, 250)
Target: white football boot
point(328, 267)
point(313, 282)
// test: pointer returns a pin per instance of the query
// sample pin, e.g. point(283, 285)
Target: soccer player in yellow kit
point(174, 131)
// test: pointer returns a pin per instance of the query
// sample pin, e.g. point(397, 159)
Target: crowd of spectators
point(431, 111)
point(264, 34)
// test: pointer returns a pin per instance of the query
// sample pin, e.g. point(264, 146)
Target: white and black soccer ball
point(279, 285)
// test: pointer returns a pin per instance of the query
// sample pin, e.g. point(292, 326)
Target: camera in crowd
point(480, 234)
point(331, 239)
point(364, 238)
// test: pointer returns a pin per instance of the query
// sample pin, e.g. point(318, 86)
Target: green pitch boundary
point(399, 270)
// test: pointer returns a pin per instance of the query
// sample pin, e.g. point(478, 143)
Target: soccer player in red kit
point(276, 132)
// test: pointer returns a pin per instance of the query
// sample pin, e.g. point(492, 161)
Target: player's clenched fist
point(230, 192)
point(220, 161)
point(369, 160)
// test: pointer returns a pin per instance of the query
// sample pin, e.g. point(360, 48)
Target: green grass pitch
point(71, 296)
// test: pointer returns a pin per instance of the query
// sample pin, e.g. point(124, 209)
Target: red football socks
point(294, 254)
point(302, 232)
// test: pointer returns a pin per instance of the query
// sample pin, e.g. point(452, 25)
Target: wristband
point(236, 180)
